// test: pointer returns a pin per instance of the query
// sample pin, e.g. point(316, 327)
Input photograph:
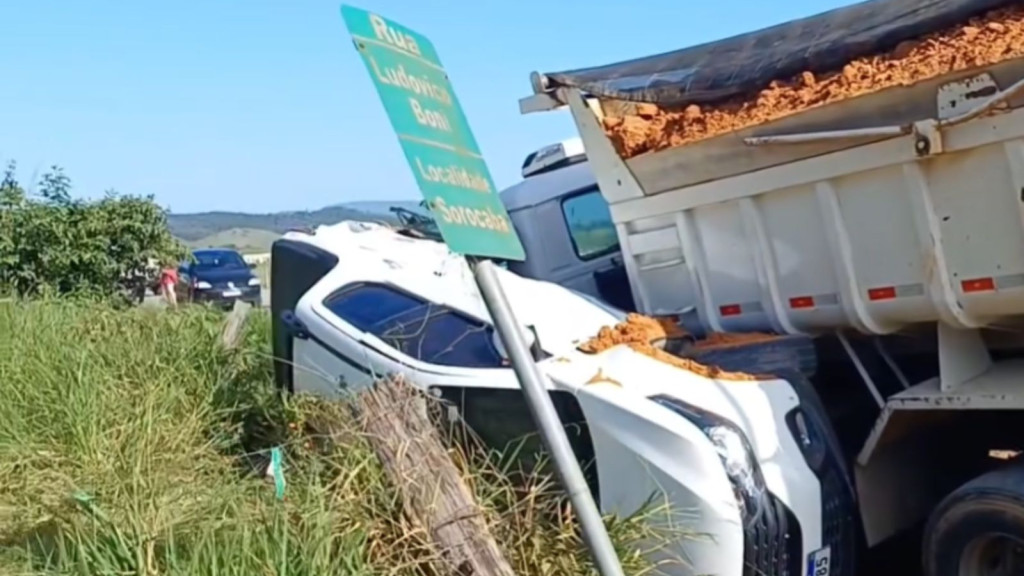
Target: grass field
point(127, 446)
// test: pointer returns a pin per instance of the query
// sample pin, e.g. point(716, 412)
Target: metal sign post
point(454, 179)
point(544, 415)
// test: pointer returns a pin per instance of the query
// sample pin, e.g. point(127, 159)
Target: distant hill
point(203, 225)
point(382, 207)
point(245, 240)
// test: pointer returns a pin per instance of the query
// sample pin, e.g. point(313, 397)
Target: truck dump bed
point(744, 64)
point(900, 204)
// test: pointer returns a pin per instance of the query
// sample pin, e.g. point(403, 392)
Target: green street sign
point(435, 136)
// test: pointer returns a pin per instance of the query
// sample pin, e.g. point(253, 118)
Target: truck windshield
point(590, 225)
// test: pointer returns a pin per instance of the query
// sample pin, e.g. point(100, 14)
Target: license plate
point(819, 562)
point(232, 293)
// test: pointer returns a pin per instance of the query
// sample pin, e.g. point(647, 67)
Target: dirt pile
point(671, 327)
point(983, 41)
point(640, 332)
point(636, 328)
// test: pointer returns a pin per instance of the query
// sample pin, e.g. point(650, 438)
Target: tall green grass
point(129, 442)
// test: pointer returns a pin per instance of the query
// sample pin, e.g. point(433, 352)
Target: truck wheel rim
point(993, 555)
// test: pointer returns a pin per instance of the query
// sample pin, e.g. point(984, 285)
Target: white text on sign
point(427, 117)
point(401, 78)
point(396, 38)
point(453, 176)
point(478, 218)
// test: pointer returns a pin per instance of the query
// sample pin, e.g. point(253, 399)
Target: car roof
point(369, 252)
point(545, 186)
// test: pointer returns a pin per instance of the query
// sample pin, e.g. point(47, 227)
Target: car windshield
point(218, 259)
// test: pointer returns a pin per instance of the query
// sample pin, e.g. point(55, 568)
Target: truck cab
point(565, 225)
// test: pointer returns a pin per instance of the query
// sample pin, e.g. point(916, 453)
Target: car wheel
point(978, 530)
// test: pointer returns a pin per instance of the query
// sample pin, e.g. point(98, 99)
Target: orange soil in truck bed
point(983, 41)
point(639, 332)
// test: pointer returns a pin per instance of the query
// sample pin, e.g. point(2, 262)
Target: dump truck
point(855, 177)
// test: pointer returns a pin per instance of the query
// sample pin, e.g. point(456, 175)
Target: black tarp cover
point(749, 62)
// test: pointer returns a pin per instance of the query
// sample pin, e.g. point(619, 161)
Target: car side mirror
point(252, 265)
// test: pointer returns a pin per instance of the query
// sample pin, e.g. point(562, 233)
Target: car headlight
point(203, 285)
point(733, 450)
point(736, 456)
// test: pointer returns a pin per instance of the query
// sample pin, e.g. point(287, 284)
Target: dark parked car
point(220, 277)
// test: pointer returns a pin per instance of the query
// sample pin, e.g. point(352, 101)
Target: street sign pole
point(453, 177)
point(544, 415)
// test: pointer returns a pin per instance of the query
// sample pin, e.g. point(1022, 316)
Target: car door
point(329, 352)
point(369, 330)
point(365, 330)
point(455, 356)
point(599, 268)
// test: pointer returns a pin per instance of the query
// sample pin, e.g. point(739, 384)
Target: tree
point(52, 243)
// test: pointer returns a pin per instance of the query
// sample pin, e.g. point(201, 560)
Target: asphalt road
point(155, 300)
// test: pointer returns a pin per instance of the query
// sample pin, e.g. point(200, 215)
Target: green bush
point(53, 244)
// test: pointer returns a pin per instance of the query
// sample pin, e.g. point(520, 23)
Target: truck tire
point(978, 530)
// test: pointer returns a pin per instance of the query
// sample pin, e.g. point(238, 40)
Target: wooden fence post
point(395, 419)
point(231, 333)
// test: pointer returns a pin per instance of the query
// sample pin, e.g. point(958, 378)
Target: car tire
point(978, 530)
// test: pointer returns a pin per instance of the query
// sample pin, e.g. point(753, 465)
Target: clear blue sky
point(264, 105)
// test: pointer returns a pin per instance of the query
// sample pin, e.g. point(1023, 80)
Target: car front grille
point(773, 542)
point(772, 538)
point(838, 521)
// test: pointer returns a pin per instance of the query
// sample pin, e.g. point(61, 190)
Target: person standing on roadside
point(169, 283)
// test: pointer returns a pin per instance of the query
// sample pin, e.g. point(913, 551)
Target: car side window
point(368, 305)
point(590, 225)
point(423, 330)
point(438, 335)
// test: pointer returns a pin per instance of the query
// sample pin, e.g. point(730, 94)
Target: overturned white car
point(355, 301)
